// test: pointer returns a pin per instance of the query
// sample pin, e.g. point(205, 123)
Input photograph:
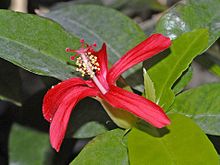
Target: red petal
point(55, 95)
point(103, 60)
point(136, 105)
point(60, 121)
point(146, 49)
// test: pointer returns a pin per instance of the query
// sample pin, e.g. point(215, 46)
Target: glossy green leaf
point(27, 146)
point(189, 15)
point(10, 83)
point(101, 24)
point(106, 149)
point(182, 81)
point(181, 143)
point(36, 44)
point(202, 105)
point(165, 73)
point(90, 129)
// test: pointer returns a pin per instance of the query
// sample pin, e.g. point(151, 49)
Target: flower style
point(62, 98)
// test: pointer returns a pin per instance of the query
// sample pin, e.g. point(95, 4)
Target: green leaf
point(149, 90)
point(165, 73)
point(96, 23)
point(36, 44)
point(189, 15)
point(90, 129)
point(27, 146)
point(180, 143)
point(202, 105)
point(10, 83)
point(106, 149)
point(182, 81)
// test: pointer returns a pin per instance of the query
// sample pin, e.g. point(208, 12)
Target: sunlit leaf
point(180, 143)
point(165, 73)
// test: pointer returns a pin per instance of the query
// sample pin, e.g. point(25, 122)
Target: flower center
point(87, 64)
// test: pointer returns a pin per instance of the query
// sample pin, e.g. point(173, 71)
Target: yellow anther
point(88, 67)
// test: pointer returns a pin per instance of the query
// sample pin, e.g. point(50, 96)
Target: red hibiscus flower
point(61, 99)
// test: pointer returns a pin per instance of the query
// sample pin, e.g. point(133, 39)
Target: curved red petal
point(103, 60)
point(55, 95)
point(60, 120)
point(146, 49)
point(137, 105)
